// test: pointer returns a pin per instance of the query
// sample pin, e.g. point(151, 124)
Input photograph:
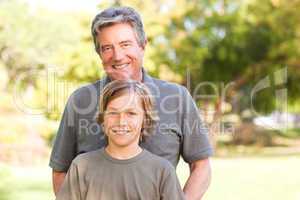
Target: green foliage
point(291, 133)
point(29, 39)
point(190, 42)
point(234, 41)
point(38, 46)
point(4, 175)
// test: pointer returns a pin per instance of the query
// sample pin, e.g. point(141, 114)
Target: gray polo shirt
point(179, 132)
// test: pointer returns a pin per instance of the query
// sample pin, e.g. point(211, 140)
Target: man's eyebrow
point(106, 45)
point(125, 41)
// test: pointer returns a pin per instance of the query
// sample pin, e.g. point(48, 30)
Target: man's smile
point(120, 66)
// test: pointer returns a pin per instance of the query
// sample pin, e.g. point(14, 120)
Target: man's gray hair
point(115, 15)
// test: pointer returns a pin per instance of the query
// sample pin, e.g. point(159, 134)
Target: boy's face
point(123, 120)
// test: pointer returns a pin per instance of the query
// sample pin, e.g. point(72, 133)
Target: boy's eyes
point(132, 113)
point(112, 113)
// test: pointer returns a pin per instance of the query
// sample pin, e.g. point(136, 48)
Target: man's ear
point(145, 43)
point(98, 52)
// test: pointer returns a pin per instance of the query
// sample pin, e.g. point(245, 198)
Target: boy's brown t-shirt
point(98, 176)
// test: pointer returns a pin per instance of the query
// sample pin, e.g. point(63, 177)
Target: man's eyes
point(109, 48)
point(125, 45)
point(106, 48)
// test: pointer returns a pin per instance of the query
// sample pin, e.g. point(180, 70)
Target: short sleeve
point(64, 148)
point(195, 145)
point(70, 189)
point(170, 188)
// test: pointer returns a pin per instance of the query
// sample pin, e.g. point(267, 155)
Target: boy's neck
point(123, 153)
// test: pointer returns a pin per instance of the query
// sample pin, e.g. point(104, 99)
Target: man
point(127, 115)
point(120, 41)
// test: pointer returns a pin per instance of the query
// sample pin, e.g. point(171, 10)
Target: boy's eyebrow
point(116, 109)
point(111, 108)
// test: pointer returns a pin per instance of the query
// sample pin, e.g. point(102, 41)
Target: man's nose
point(118, 54)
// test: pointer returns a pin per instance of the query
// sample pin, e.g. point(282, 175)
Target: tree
point(232, 41)
point(239, 44)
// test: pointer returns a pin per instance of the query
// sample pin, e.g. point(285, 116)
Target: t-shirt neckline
point(123, 161)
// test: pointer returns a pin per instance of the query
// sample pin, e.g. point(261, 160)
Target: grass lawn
point(25, 183)
point(248, 178)
point(253, 178)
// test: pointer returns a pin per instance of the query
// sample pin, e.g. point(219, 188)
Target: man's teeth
point(120, 66)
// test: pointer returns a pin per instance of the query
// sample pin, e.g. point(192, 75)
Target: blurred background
point(239, 59)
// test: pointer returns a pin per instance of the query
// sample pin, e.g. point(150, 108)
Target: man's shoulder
point(164, 83)
point(89, 88)
point(158, 162)
point(86, 93)
point(168, 87)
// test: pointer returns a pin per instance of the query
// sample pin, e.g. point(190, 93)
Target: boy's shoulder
point(88, 157)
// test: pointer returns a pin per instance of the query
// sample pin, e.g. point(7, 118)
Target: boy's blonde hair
point(118, 88)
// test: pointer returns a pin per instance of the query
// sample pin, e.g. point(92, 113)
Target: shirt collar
point(145, 78)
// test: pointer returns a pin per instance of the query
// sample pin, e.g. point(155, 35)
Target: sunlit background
point(239, 59)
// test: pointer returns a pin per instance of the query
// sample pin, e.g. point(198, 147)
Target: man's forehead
point(117, 33)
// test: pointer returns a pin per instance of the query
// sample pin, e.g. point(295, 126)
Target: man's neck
point(123, 153)
point(139, 78)
point(141, 75)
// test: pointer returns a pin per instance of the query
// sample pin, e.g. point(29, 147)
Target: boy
point(122, 169)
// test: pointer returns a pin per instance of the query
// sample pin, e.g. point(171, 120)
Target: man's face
point(121, 55)
point(123, 120)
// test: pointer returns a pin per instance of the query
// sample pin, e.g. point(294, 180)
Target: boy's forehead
point(125, 101)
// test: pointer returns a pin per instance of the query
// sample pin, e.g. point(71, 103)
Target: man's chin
point(121, 78)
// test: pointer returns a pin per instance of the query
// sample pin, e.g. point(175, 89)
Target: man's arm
point(199, 179)
point(65, 144)
point(57, 180)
